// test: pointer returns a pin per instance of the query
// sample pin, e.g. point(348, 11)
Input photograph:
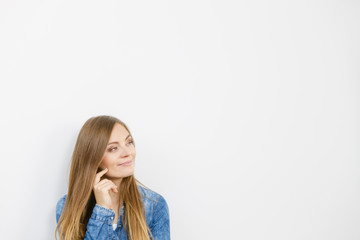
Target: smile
point(128, 163)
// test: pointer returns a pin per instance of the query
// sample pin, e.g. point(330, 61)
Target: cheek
point(133, 152)
point(105, 162)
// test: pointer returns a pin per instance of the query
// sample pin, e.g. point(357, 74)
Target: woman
point(104, 200)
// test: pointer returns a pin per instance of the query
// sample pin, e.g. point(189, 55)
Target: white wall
point(245, 113)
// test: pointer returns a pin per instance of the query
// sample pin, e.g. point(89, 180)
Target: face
point(120, 154)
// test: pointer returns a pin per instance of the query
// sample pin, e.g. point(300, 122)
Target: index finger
point(99, 175)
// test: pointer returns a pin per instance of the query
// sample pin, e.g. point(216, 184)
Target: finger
point(105, 187)
point(99, 175)
point(105, 182)
point(114, 189)
point(102, 183)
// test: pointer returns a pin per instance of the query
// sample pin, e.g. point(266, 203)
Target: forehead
point(119, 132)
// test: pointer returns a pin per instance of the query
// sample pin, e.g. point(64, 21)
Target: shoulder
point(151, 196)
point(60, 203)
point(155, 205)
point(59, 206)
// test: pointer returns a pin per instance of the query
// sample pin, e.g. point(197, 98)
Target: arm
point(100, 222)
point(160, 227)
point(99, 225)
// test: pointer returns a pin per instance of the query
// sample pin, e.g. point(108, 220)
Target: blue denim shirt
point(100, 225)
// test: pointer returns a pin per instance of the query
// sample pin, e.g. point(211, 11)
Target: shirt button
point(112, 217)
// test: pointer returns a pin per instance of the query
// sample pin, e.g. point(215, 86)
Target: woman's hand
point(102, 190)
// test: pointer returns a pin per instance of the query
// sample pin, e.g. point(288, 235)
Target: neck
point(116, 181)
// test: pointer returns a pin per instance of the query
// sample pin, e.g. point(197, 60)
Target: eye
point(112, 149)
point(131, 142)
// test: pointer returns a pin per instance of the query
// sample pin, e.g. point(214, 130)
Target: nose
point(124, 152)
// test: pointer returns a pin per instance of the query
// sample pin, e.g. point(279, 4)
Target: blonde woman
point(104, 200)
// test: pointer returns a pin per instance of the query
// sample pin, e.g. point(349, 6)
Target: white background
point(245, 114)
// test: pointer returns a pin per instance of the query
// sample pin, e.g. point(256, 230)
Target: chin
point(121, 174)
point(128, 175)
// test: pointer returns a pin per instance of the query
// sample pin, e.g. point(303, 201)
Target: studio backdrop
point(245, 114)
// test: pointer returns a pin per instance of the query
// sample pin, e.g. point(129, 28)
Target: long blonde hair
point(86, 159)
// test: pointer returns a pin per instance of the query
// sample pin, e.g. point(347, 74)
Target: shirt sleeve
point(100, 223)
point(160, 227)
point(59, 207)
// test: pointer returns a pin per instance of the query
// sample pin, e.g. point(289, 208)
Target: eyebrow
point(118, 142)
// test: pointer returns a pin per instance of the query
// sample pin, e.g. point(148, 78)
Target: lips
point(125, 163)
